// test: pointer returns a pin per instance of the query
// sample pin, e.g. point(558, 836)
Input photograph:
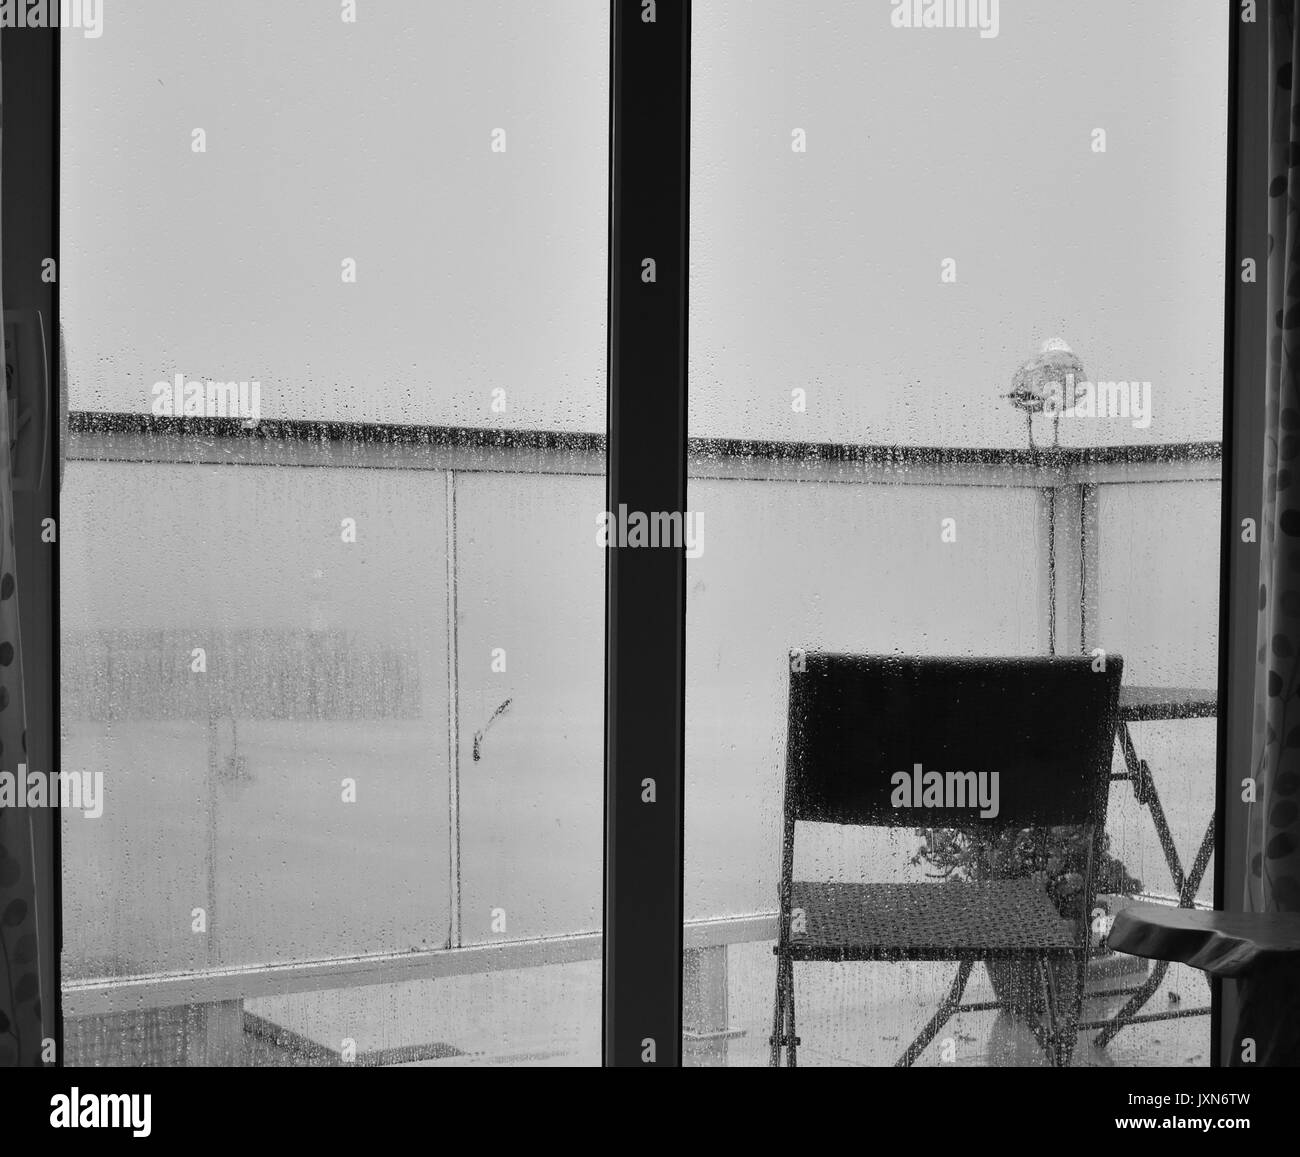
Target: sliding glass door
point(327, 637)
point(901, 235)
point(337, 300)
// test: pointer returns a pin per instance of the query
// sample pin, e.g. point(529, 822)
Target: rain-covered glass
point(342, 683)
point(905, 232)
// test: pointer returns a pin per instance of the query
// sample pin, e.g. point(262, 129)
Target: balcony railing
point(1064, 544)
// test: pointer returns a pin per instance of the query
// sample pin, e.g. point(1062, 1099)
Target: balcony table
point(1259, 950)
point(1142, 705)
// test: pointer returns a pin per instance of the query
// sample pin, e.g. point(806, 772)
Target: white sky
point(480, 271)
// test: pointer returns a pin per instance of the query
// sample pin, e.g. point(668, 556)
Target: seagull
point(478, 735)
point(1054, 362)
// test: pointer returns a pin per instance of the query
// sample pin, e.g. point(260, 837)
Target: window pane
point(286, 650)
point(379, 141)
point(894, 229)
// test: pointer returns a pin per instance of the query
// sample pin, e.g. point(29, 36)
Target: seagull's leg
point(1056, 430)
point(1029, 425)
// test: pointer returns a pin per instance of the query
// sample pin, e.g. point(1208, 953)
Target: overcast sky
point(481, 270)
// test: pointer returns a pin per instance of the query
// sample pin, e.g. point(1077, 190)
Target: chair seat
point(948, 921)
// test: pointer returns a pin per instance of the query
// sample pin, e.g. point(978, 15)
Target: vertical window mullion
point(645, 603)
point(1245, 372)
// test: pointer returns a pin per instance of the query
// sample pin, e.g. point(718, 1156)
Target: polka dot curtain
point(21, 1037)
point(20, 988)
point(1273, 877)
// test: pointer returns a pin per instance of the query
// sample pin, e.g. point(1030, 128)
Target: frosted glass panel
point(531, 798)
point(229, 665)
point(752, 598)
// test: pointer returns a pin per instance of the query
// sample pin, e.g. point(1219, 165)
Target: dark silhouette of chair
point(1045, 725)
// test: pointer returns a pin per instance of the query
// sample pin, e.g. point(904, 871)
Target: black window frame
point(646, 447)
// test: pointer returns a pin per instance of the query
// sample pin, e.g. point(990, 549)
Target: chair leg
point(1074, 1014)
point(778, 1012)
point(950, 1004)
point(1059, 1032)
point(1044, 1029)
point(783, 1016)
point(792, 1040)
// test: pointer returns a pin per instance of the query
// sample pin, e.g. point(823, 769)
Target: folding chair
point(859, 729)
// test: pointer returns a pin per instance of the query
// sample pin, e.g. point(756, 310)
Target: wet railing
point(440, 816)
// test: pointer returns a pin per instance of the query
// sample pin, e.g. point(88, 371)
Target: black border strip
point(645, 592)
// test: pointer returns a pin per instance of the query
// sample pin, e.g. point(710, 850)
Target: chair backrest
point(970, 743)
